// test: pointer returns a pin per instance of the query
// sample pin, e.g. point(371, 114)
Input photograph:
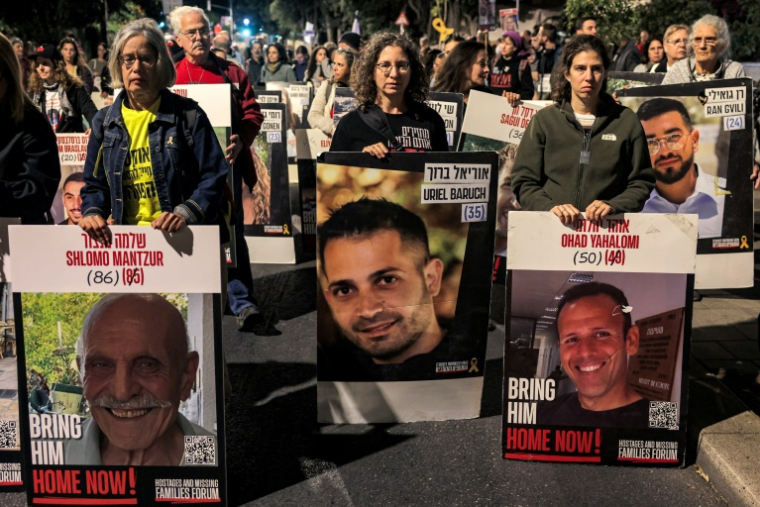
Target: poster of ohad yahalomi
point(597, 344)
point(700, 143)
point(404, 249)
point(11, 476)
point(120, 359)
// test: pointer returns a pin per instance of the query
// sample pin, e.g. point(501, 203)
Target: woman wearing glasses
point(585, 152)
point(391, 87)
point(709, 45)
point(153, 158)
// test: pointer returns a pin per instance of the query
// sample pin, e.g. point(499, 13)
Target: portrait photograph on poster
point(700, 145)
point(403, 269)
point(123, 398)
point(598, 326)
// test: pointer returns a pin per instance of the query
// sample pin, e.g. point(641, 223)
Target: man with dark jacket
point(627, 57)
point(200, 66)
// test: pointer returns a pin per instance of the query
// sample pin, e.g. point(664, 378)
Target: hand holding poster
point(598, 329)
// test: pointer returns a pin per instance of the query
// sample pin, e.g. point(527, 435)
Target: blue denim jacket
point(189, 168)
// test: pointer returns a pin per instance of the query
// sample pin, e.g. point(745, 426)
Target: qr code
point(200, 450)
point(663, 414)
point(8, 434)
point(274, 137)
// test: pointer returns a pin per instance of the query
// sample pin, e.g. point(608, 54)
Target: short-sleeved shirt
point(141, 204)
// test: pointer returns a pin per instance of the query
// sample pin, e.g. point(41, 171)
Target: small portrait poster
point(597, 343)
point(120, 359)
point(403, 248)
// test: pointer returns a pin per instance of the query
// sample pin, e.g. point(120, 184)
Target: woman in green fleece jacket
point(585, 152)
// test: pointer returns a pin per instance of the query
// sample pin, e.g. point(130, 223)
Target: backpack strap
point(375, 119)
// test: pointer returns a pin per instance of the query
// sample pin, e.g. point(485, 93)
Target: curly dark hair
point(363, 71)
point(453, 74)
point(60, 73)
point(561, 90)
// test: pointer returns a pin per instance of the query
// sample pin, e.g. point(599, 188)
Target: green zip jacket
point(548, 171)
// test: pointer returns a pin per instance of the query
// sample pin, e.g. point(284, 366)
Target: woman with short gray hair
point(153, 158)
point(709, 45)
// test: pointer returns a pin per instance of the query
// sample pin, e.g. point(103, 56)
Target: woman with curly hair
point(391, 87)
point(60, 96)
point(75, 63)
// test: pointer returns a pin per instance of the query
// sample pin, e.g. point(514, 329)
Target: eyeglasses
point(190, 34)
point(673, 142)
point(709, 41)
point(386, 67)
point(146, 60)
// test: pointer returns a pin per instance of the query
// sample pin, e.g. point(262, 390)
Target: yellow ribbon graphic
point(744, 243)
point(473, 365)
point(441, 28)
point(285, 229)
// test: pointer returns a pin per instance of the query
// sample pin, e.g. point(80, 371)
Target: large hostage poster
point(598, 334)
point(404, 248)
point(700, 144)
point(120, 359)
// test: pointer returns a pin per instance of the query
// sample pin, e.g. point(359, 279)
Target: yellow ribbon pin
point(744, 243)
point(441, 28)
point(473, 365)
point(285, 229)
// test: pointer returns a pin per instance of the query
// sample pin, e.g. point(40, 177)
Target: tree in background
point(616, 19)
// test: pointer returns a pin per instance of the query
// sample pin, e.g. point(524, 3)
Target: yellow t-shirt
point(141, 204)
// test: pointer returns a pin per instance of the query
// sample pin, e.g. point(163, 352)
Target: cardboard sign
point(393, 346)
point(97, 323)
point(597, 338)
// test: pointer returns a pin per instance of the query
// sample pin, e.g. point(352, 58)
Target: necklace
point(188, 74)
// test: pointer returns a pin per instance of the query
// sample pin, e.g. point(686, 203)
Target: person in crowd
point(567, 161)
point(402, 336)
point(319, 68)
point(321, 111)
point(644, 38)
point(301, 63)
point(236, 54)
point(546, 58)
point(100, 62)
point(130, 176)
point(652, 56)
point(597, 338)
point(277, 68)
point(60, 96)
point(675, 43)
point(350, 40)
point(391, 88)
point(424, 46)
point(709, 48)
point(75, 63)
point(136, 369)
point(255, 63)
point(627, 56)
point(29, 160)
point(431, 63)
point(450, 43)
point(330, 47)
point(199, 66)
point(681, 186)
point(465, 69)
point(511, 71)
point(18, 48)
point(585, 25)
point(505, 199)
point(72, 199)
point(223, 44)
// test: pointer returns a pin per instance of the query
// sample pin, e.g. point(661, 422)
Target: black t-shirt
point(567, 411)
point(512, 75)
point(426, 134)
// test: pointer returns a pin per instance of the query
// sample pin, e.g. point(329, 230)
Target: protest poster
point(492, 124)
point(267, 207)
point(301, 96)
point(11, 458)
point(619, 80)
point(598, 331)
point(72, 152)
point(449, 105)
point(311, 143)
point(120, 355)
point(268, 96)
point(509, 19)
point(402, 308)
point(702, 162)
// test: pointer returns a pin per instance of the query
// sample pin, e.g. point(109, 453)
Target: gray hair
point(175, 18)
point(166, 75)
point(721, 32)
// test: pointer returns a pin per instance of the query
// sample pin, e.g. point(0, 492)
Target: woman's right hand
point(377, 150)
point(96, 228)
point(567, 213)
point(512, 98)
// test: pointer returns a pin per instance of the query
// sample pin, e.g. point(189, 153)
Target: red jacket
point(246, 112)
